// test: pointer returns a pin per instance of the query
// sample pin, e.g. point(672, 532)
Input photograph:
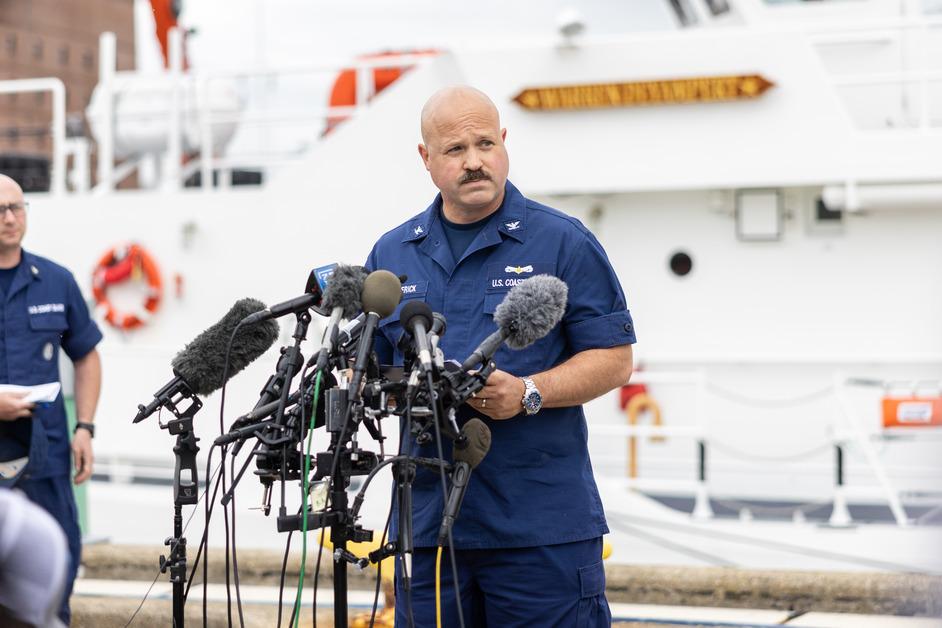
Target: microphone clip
point(172, 397)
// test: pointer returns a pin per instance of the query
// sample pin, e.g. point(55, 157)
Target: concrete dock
point(115, 579)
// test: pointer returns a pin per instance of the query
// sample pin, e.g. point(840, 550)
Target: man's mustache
point(473, 175)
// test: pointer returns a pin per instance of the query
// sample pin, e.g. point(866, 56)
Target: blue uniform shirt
point(42, 312)
point(535, 487)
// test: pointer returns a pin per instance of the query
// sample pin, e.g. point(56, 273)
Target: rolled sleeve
point(602, 332)
point(83, 334)
point(597, 315)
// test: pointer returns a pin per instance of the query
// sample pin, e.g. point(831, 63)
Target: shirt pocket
point(46, 337)
point(53, 323)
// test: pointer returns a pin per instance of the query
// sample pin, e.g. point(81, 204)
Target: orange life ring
point(120, 264)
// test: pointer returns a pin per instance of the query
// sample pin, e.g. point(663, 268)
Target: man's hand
point(12, 406)
point(501, 397)
point(82, 455)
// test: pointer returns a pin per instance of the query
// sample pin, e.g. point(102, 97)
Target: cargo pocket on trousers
point(593, 607)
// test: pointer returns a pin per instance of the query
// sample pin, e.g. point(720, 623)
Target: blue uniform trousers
point(548, 586)
point(55, 496)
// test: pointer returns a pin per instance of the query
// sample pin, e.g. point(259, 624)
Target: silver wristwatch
point(532, 399)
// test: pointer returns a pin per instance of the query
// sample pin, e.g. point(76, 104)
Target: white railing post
point(869, 452)
point(701, 507)
point(107, 64)
point(206, 135)
point(57, 185)
point(364, 86)
point(174, 128)
point(924, 122)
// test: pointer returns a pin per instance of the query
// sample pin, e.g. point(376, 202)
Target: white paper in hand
point(41, 393)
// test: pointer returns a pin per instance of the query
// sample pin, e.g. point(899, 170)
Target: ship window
point(823, 213)
point(681, 263)
point(759, 215)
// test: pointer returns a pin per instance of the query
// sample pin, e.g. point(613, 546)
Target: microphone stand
point(292, 364)
point(185, 492)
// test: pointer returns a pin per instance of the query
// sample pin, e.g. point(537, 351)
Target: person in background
point(34, 561)
point(41, 312)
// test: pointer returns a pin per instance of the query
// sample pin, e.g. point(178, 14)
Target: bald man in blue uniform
point(529, 536)
point(42, 312)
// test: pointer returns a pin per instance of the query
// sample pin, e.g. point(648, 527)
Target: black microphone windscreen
point(416, 310)
point(438, 324)
point(202, 361)
point(476, 444)
point(531, 309)
point(344, 289)
point(381, 293)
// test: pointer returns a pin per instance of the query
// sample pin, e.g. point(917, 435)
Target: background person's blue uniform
point(535, 488)
point(42, 312)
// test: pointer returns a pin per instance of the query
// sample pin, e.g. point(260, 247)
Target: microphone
point(529, 311)
point(382, 292)
point(438, 324)
point(313, 293)
point(416, 317)
point(471, 446)
point(351, 330)
point(342, 300)
point(199, 366)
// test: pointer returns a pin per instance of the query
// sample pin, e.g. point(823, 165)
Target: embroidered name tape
point(415, 289)
point(46, 308)
point(503, 277)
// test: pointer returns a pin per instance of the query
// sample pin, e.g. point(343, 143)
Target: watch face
point(532, 402)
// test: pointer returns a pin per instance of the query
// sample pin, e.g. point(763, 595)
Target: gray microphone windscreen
point(344, 289)
point(382, 292)
point(201, 362)
point(531, 309)
point(477, 445)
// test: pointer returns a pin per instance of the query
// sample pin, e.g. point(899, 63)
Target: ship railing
point(918, 79)
point(56, 88)
point(174, 172)
point(848, 430)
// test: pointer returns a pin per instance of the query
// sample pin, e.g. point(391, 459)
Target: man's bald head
point(12, 221)
point(463, 150)
point(451, 101)
point(8, 186)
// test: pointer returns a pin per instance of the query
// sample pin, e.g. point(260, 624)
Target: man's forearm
point(87, 386)
point(585, 376)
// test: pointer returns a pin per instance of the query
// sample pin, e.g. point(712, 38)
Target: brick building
point(43, 38)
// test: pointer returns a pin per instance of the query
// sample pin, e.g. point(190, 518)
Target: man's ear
point(503, 135)
point(423, 153)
